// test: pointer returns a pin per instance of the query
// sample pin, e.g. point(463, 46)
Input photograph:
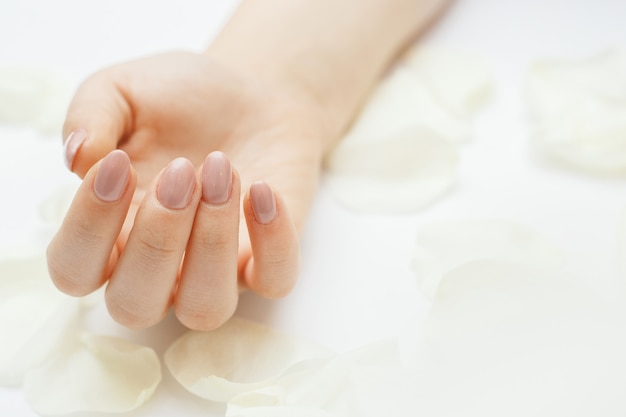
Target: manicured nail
point(112, 176)
point(177, 184)
point(263, 202)
point(217, 178)
point(73, 144)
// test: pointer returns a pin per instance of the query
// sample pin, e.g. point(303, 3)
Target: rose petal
point(441, 247)
point(322, 384)
point(401, 102)
point(94, 374)
point(397, 156)
point(240, 356)
point(35, 318)
point(580, 110)
point(33, 96)
point(405, 172)
point(504, 338)
point(461, 81)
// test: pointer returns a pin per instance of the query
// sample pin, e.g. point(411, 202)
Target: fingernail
point(177, 184)
point(73, 144)
point(112, 176)
point(217, 176)
point(263, 202)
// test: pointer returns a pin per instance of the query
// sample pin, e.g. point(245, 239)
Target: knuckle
point(203, 316)
point(276, 277)
point(128, 313)
point(86, 238)
point(156, 247)
point(66, 280)
point(215, 241)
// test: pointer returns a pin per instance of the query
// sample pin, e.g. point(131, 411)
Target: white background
point(356, 284)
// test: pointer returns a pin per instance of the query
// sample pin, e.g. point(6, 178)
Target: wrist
point(327, 53)
point(282, 86)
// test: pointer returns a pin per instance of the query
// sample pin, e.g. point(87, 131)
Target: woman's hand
point(157, 217)
point(285, 81)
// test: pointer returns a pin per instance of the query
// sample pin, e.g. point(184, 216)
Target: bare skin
point(190, 232)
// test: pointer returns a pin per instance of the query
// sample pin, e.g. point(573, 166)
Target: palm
point(266, 136)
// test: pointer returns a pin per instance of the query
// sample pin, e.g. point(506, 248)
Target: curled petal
point(579, 110)
point(35, 318)
point(404, 173)
point(443, 246)
point(238, 357)
point(94, 374)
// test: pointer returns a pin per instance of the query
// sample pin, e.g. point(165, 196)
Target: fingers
point(82, 253)
point(98, 118)
point(274, 266)
point(141, 286)
point(181, 216)
point(207, 294)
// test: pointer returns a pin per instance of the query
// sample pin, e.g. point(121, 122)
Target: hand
point(159, 219)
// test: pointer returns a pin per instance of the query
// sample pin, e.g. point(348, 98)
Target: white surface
point(356, 284)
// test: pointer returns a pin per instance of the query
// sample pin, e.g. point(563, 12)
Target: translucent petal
point(504, 338)
point(403, 101)
point(35, 318)
point(238, 357)
point(33, 96)
point(404, 173)
point(441, 247)
point(94, 374)
point(397, 156)
point(322, 384)
point(459, 80)
point(580, 110)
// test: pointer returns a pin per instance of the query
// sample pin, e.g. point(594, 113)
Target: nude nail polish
point(217, 176)
point(263, 202)
point(112, 176)
point(176, 184)
point(74, 141)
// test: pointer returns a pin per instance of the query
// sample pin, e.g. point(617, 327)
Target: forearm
point(332, 50)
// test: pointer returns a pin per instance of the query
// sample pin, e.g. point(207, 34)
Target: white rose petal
point(403, 101)
point(399, 154)
point(35, 318)
point(325, 382)
point(323, 385)
point(405, 172)
point(461, 81)
point(33, 96)
point(238, 357)
point(504, 338)
point(441, 247)
point(580, 110)
point(94, 374)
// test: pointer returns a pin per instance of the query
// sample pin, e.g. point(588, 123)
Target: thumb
point(98, 118)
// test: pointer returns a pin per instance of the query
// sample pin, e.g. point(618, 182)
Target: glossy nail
point(177, 183)
point(112, 176)
point(217, 178)
point(73, 144)
point(263, 202)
